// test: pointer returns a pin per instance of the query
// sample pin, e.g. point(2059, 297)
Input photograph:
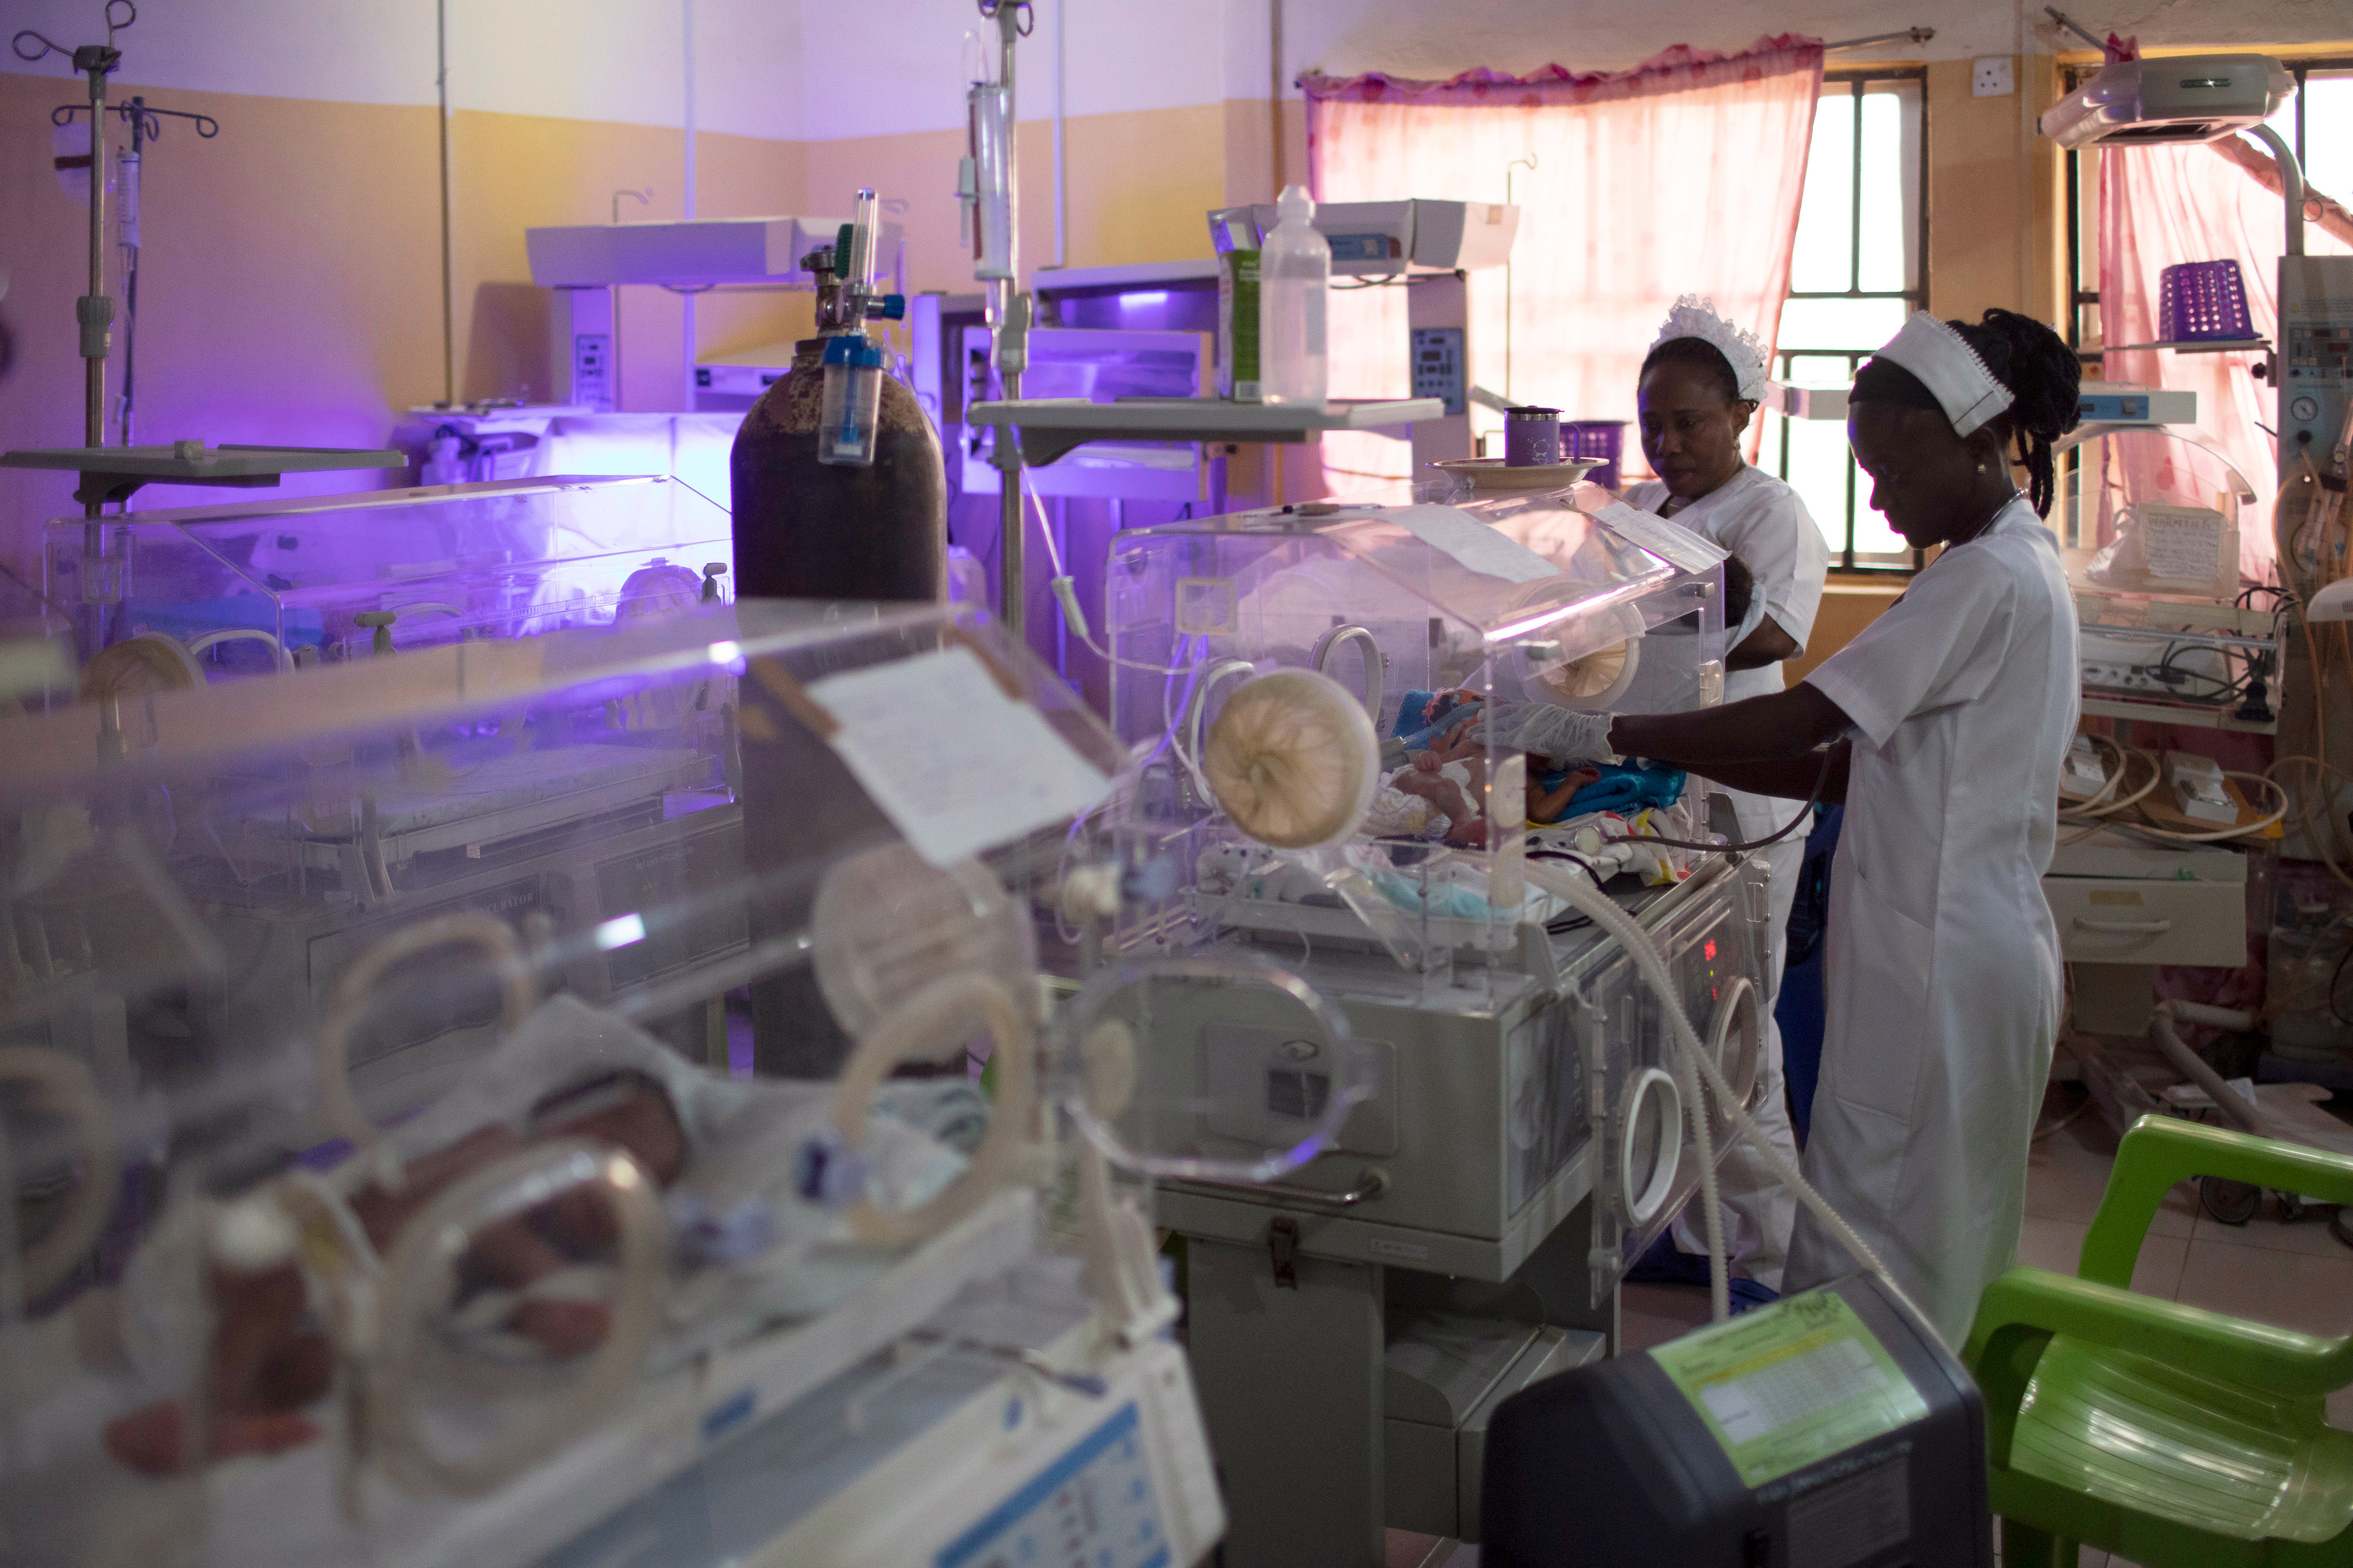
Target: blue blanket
point(1623, 787)
point(188, 619)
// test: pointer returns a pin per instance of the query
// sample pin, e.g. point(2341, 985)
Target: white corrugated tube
point(1581, 894)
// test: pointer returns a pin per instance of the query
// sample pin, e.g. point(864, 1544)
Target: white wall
point(577, 59)
point(829, 69)
point(1151, 54)
point(911, 60)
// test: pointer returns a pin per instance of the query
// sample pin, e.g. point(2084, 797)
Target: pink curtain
point(1683, 176)
point(2159, 206)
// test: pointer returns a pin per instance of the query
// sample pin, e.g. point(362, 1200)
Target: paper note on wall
point(1472, 543)
point(956, 765)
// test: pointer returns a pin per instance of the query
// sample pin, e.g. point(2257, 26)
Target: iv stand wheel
point(2233, 1202)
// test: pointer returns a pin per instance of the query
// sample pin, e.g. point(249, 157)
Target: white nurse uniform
point(1943, 973)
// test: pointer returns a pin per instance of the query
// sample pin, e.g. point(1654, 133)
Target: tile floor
point(2296, 1275)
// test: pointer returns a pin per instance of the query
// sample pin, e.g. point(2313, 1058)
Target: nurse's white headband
point(1694, 317)
point(1943, 362)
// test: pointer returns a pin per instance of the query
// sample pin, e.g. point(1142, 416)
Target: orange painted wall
point(290, 268)
point(290, 281)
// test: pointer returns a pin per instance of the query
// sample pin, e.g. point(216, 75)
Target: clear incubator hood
point(1334, 709)
point(447, 1096)
point(250, 587)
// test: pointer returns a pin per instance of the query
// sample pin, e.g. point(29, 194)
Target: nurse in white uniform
point(1942, 727)
point(1700, 386)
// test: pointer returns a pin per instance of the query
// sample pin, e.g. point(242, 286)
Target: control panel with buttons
point(1438, 366)
point(2316, 362)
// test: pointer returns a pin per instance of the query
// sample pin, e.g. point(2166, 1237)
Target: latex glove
point(1566, 734)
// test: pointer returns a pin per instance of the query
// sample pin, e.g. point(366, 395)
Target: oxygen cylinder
point(838, 528)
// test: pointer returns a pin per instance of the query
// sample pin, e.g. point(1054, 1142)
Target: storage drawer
point(2125, 921)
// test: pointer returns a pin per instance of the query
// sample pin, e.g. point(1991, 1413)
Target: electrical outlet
point(1991, 78)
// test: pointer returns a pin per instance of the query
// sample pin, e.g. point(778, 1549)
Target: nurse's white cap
point(1944, 363)
point(1694, 317)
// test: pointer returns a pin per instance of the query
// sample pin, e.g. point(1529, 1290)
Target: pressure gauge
point(2306, 407)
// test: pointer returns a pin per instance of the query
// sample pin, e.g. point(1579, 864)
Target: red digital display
point(1709, 950)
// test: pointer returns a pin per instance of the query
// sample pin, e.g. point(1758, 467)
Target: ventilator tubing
point(1588, 899)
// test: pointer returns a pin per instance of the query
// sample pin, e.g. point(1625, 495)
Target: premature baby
point(1451, 778)
point(265, 1362)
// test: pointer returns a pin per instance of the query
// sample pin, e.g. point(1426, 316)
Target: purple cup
point(1530, 437)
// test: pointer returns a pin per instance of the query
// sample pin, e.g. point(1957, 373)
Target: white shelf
point(1806, 402)
point(2222, 346)
point(2166, 714)
point(114, 473)
point(212, 464)
point(683, 254)
point(2158, 614)
point(1050, 427)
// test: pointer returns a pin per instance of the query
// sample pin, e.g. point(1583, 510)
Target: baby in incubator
point(266, 1364)
point(1552, 784)
point(756, 1224)
point(1450, 779)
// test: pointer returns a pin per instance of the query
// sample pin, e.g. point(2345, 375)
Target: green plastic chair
point(2162, 1433)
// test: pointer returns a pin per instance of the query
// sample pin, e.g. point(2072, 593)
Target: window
point(1677, 180)
point(1860, 268)
point(2317, 122)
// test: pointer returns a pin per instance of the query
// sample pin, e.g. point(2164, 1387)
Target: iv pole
point(93, 311)
point(145, 127)
point(1008, 322)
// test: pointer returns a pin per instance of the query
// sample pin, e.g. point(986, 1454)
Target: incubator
point(384, 1176)
point(1340, 715)
point(251, 587)
point(1348, 721)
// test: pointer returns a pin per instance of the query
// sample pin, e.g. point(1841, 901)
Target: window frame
point(1857, 80)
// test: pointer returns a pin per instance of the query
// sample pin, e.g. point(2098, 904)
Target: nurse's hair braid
point(2044, 378)
point(1700, 356)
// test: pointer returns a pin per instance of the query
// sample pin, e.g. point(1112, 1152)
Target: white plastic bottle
point(1294, 272)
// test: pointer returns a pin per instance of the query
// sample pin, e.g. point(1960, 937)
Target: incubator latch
point(1283, 1251)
